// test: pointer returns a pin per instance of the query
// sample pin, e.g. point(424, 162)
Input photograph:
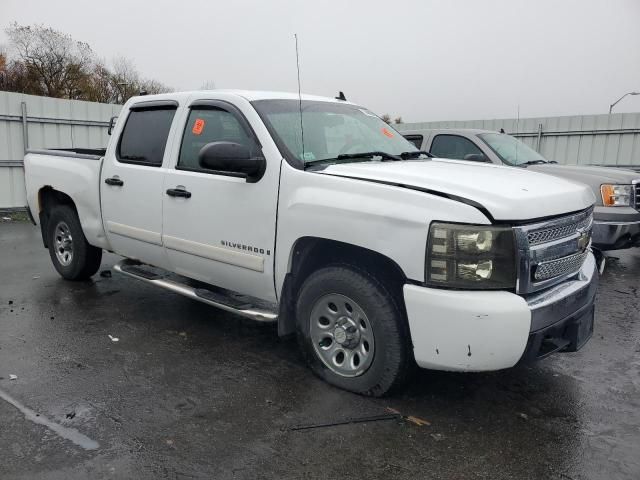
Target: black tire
point(391, 363)
point(85, 260)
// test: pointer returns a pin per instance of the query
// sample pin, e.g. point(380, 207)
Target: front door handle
point(178, 192)
point(114, 181)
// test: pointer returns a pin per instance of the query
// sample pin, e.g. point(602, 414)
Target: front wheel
point(351, 331)
point(71, 254)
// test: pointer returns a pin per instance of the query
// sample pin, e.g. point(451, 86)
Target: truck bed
point(76, 173)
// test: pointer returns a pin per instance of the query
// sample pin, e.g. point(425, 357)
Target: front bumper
point(491, 330)
point(616, 235)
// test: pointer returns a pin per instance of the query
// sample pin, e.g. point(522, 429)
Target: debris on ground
point(6, 219)
point(392, 414)
point(113, 339)
point(417, 421)
point(523, 416)
point(10, 302)
point(183, 334)
point(346, 421)
point(105, 273)
point(13, 377)
point(437, 436)
point(421, 422)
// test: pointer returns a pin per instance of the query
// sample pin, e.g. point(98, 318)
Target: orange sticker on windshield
point(198, 126)
point(387, 132)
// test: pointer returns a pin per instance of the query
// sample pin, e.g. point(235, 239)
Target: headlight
point(616, 195)
point(470, 256)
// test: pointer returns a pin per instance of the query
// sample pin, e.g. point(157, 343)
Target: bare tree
point(128, 83)
point(125, 78)
point(60, 63)
point(3, 68)
point(99, 86)
point(397, 120)
point(386, 118)
point(46, 62)
point(153, 86)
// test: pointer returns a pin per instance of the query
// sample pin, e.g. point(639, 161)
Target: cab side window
point(207, 125)
point(453, 146)
point(415, 139)
point(144, 136)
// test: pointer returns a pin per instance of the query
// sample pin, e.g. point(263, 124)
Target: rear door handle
point(178, 192)
point(115, 181)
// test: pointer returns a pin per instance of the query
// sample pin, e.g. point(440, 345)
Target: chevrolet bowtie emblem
point(583, 239)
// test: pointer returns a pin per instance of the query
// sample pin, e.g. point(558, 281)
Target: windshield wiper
point(533, 162)
point(385, 155)
point(352, 157)
point(414, 154)
point(331, 161)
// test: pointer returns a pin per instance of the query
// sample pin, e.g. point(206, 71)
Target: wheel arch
point(48, 198)
point(308, 254)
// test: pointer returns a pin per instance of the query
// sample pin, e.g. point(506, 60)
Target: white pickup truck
point(314, 213)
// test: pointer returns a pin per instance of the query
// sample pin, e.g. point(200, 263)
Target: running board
point(136, 270)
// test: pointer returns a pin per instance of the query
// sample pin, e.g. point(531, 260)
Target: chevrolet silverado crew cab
point(616, 216)
point(313, 213)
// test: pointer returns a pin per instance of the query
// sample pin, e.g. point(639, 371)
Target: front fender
point(389, 220)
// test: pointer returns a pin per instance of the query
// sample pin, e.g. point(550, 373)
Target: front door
point(219, 228)
point(131, 185)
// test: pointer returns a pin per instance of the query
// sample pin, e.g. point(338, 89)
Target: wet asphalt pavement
point(192, 392)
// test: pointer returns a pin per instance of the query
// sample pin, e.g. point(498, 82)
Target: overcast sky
point(421, 59)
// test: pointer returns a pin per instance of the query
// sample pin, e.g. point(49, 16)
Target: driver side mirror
point(232, 158)
point(476, 157)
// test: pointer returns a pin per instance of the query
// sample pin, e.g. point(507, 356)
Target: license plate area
point(580, 330)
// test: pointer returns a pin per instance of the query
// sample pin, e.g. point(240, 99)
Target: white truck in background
point(313, 213)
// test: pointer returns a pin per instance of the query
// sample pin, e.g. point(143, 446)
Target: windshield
point(330, 129)
point(511, 150)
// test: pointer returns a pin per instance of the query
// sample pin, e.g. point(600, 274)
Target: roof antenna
point(517, 131)
point(299, 95)
point(341, 97)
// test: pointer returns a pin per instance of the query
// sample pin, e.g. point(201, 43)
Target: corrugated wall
point(54, 123)
point(51, 123)
point(586, 140)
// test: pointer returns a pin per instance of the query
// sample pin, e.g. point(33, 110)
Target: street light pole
point(124, 86)
point(617, 101)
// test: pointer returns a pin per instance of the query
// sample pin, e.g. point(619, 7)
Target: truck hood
point(588, 174)
point(506, 193)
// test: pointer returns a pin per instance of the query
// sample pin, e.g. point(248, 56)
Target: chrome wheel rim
point(342, 335)
point(63, 244)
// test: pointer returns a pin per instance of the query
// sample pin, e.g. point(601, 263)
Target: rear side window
point(144, 136)
point(207, 125)
point(453, 146)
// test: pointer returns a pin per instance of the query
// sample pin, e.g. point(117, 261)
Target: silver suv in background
point(617, 191)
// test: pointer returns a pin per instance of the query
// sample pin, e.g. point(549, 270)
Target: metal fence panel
point(612, 140)
point(55, 123)
point(50, 123)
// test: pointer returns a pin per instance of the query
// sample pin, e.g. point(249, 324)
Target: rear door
point(131, 182)
point(218, 227)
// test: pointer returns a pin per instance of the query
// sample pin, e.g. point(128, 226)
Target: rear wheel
point(352, 332)
point(71, 254)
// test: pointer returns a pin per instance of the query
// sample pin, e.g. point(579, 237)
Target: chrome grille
point(552, 250)
point(563, 231)
point(558, 267)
